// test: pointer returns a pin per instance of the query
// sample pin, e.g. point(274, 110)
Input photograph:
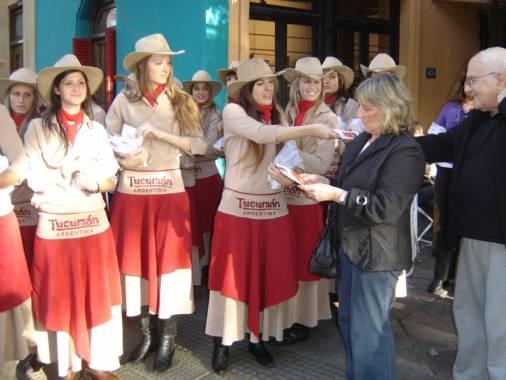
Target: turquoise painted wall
point(198, 26)
point(55, 26)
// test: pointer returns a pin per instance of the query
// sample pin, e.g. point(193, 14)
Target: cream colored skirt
point(311, 303)
point(106, 346)
point(16, 332)
point(175, 294)
point(227, 318)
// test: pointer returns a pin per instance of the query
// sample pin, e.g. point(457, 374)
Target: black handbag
point(325, 259)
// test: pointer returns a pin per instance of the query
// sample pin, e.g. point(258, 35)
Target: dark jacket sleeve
point(398, 182)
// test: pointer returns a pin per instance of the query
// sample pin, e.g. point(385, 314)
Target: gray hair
point(388, 92)
point(494, 58)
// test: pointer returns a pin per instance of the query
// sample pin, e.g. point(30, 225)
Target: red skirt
point(197, 240)
point(28, 237)
point(152, 234)
point(208, 193)
point(307, 222)
point(15, 285)
point(252, 261)
point(75, 284)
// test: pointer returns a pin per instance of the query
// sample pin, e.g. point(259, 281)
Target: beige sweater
point(12, 148)
point(51, 167)
point(318, 154)
point(162, 155)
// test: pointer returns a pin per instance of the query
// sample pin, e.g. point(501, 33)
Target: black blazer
point(374, 222)
point(452, 147)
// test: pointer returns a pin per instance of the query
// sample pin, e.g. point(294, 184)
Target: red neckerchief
point(266, 111)
point(152, 96)
point(233, 100)
point(330, 98)
point(18, 119)
point(70, 123)
point(303, 106)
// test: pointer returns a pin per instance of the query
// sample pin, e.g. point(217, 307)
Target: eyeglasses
point(470, 81)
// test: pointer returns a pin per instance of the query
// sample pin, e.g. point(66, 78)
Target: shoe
point(166, 345)
point(148, 342)
point(261, 354)
point(436, 288)
point(220, 356)
point(94, 374)
point(294, 334)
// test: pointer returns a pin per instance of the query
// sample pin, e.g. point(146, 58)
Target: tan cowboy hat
point(130, 80)
point(146, 46)
point(202, 76)
point(249, 71)
point(20, 76)
point(304, 67)
point(66, 63)
point(382, 63)
point(232, 68)
point(332, 63)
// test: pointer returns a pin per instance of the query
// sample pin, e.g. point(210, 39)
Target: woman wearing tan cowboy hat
point(383, 63)
point(209, 184)
point(337, 80)
point(16, 320)
point(22, 99)
point(252, 272)
point(150, 212)
point(229, 75)
point(306, 106)
point(77, 290)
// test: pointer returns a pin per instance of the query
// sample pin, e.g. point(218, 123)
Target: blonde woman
point(381, 171)
point(209, 184)
point(76, 284)
point(150, 213)
point(252, 273)
point(306, 106)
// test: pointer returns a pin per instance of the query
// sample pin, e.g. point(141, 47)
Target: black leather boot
point(148, 342)
point(261, 353)
point(166, 344)
point(220, 356)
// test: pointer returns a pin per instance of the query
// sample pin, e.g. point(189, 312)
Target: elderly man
point(478, 217)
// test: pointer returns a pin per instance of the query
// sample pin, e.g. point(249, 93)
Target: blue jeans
point(365, 300)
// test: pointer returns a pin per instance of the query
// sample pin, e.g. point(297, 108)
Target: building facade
point(432, 38)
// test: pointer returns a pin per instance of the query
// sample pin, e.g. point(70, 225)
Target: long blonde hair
point(185, 108)
point(292, 108)
point(388, 92)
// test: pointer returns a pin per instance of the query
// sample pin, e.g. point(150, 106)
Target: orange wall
point(440, 35)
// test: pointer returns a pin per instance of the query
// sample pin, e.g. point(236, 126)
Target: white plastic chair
point(418, 238)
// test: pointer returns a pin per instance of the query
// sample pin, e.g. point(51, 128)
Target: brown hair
point(245, 99)
point(185, 108)
point(457, 93)
point(55, 105)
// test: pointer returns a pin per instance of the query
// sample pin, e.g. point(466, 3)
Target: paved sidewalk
point(424, 336)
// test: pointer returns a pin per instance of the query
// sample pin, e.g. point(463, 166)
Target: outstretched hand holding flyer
point(290, 174)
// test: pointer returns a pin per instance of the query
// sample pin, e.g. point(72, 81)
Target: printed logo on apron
point(295, 196)
point(151, 182)
point(253, 206)
point(71, 226)
point(204, 169)
point(26, 214)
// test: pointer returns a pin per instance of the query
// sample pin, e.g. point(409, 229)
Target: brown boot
point(71, 375)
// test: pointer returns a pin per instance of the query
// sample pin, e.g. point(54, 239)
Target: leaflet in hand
point(290, 174)
point(288, 157)
point(345, 135)
point(127, 143)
